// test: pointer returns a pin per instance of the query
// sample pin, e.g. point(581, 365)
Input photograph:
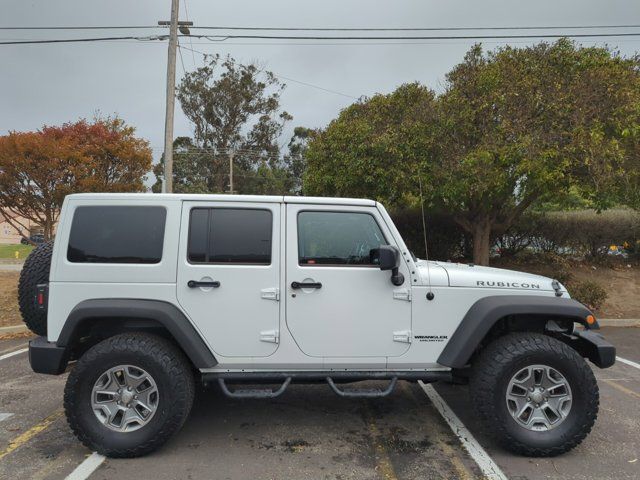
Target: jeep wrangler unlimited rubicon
point(145, 294)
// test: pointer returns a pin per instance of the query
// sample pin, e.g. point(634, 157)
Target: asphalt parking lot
point(311, 433)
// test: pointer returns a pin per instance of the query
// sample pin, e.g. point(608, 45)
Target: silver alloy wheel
point(539, 397)
point(125, 398)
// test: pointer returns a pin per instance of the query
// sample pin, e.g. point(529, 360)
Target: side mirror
point(387, 257)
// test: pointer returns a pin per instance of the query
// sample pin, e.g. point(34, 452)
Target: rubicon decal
point(483, 283)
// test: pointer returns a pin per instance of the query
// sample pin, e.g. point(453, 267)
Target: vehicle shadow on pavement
point(309, 432)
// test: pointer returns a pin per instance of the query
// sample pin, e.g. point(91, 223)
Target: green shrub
point(576, 233)
point(546, 236)
point(592, 233)
point(590, 293)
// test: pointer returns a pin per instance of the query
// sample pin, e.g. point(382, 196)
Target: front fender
point(487, 311)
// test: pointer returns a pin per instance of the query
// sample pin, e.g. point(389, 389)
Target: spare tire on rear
point(34, 271)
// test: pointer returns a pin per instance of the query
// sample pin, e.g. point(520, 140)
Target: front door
point(346, 306)
point(228, 275)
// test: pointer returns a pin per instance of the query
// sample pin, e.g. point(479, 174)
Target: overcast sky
point(51, 84)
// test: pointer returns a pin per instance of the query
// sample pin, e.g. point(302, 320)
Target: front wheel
point(535, 394)
point(128, 394)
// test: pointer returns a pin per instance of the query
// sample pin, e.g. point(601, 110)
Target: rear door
point(350, 307)
point(228, 275)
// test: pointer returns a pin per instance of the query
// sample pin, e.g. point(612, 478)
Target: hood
point(461, 275)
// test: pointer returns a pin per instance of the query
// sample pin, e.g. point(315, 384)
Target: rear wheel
point(127, 395)
point(536, 395)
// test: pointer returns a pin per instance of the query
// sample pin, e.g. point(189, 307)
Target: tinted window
point(117, 235)
point(198, 228)
point(337, 238)
point(230, 235)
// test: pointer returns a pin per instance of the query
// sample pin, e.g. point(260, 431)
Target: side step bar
point(332, 378)
point(318, 376)
point(253, 392)
point(363, 393)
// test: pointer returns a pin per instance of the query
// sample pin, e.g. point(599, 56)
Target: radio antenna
point(430, 294)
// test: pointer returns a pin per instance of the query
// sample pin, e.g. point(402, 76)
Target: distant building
point(9, 234)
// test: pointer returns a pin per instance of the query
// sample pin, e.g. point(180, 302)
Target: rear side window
point(230, 235)
point(117, 234)
point(337, 238)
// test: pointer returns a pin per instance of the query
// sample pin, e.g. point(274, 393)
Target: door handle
point(298, 285)
point(194, 284)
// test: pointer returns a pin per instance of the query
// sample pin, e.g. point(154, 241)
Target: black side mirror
point(387, 257)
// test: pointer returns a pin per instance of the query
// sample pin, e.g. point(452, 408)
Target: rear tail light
point(41, 296)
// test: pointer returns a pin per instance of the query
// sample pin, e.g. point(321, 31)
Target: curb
point(13, 329)
point(619, 322)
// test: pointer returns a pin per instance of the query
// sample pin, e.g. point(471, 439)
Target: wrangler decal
point(431, 338)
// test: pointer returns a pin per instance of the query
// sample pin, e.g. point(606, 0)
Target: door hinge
point(271, 336)
point(403, 336)
point(270, 294)
point(402, 294)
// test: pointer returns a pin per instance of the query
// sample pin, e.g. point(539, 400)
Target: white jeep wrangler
point(149, 293)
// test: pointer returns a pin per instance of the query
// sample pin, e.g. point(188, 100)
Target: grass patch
point(9, 311)
point(9, 251)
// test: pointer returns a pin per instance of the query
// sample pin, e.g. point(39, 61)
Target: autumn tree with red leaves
point(38, 169)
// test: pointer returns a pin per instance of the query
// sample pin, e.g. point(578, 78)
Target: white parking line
point(489, 468)
point(628, 362)
point(86, 468)
point(12, 349)
point(17, 352)
point(4, 416)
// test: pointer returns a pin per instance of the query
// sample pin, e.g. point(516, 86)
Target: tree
point(629, 188)
point(374, 148)
point(235, 111)
point(512, 128)
point(193, 169)
point(521, 125)
point(38, 169)
point(295, 162)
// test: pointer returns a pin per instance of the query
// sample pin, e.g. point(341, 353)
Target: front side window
point(117, 234)
point(230, 235)
point(337, 238)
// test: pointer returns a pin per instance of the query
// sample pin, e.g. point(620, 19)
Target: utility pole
point(171, 91)
point(231, 172)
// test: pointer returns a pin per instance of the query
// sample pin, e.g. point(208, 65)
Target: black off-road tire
point(34, 271)
point(490, 377)
point(169, 368)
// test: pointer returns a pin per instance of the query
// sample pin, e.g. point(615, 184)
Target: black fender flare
point(140, 311)
point(484, 313)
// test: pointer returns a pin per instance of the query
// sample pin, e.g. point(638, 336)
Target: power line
point(92, 27)
point(328, 29)
point(291, 79)
point(315, 86)
point(82, 40)
point(256, 154)
point(225, 151)
point(230, 43)
point(186, 16)
point(184, 71)
point(417, 29)
point(222, 38)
